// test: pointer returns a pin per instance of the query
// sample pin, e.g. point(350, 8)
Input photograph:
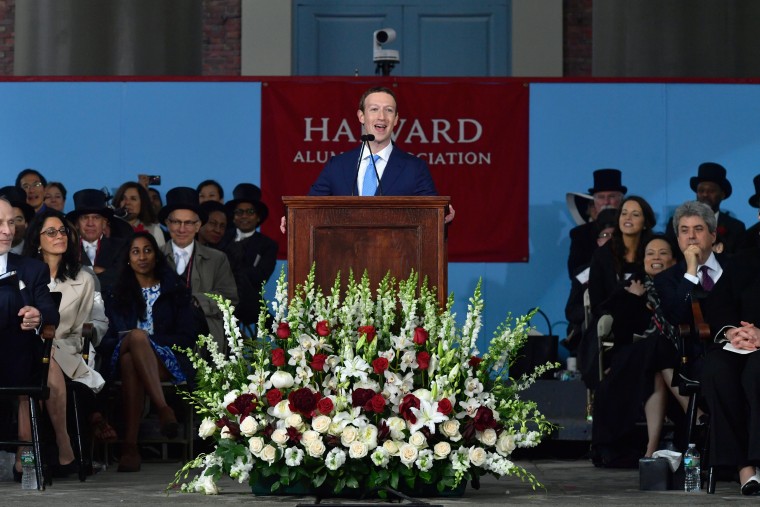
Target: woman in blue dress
point(150, 310)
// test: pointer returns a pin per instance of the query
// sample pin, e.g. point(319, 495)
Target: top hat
point(754, 201)
point(578, 205)
point(607, 180)
point(182, 198)
point(250, 193)
point(17, 198)
point(710, 171)
point(89, 201)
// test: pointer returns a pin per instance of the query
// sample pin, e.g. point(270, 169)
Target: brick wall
point(221, 37)
point(7, 18)
point(577, 50)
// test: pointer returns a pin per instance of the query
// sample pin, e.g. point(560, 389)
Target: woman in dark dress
point(150, 311)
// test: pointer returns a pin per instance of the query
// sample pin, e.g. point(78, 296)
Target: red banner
point(474, 136)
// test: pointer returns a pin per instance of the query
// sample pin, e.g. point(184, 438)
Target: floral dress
point(164, 353)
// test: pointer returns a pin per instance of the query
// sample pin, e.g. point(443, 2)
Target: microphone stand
point(365, 141)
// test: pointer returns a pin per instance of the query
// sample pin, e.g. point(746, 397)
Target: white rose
point(408, 454)
point(249, 426)
point(321, 423)
point(349, 435)
point(282, 379)
point(357, 450)
point(506, 444)
point(487, 437)
point(441, 450)
point(207, 485)
point(268, 454)
point(478, 456)
point(424, 394)
point(450, 429)
point(316, 448)
point(207, 428)
point(397, 426)
point(281, 410)
point(308, 437)
point(295, 421)
point(391, 447)
point(280, 437)
point(418, 440)
point(255, 445)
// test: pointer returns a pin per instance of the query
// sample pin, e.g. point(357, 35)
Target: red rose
point(294, 435)
point(444, 406)
point(410, 401)
point(369, 332)
point(278, 357)
point(274, 396)
point(302, 401)
point(242, 404)
point(325, 406)
point(283, 330)
point(380, 365)
point(420, 335)
point(484, 419)
point(475, 362)
point(318, 362)
point(376, 404)
point(361, 396)
point(323, 329)
point(423, 359)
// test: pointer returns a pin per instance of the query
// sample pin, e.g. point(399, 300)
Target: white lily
point(427, 415)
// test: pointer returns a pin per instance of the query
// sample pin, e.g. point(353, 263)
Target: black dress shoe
point(751, 487)
point(16, 474)
point(63, 471)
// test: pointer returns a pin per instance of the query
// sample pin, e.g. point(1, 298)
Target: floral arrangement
point(362, 392)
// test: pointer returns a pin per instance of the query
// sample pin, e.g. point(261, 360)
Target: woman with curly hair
point(150, 311)
point(133, 200)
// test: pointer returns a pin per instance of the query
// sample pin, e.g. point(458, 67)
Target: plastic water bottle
point(29, 477)
point(691, 467)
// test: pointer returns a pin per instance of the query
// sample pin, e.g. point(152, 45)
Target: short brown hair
point(377, 89)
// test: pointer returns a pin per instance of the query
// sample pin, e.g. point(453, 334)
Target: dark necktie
point(707, 282)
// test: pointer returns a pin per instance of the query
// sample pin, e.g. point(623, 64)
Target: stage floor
point(568, 482)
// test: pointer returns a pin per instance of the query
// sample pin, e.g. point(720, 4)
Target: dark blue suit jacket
point(404, 174)
point(19, 357)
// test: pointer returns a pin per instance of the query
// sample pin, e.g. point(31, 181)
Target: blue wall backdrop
point(102, 134)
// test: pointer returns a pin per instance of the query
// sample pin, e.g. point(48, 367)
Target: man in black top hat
point(204, 269)
point(253, 255)
point(608, 192)
point(751, 238)
point(712, 188)
point(92, 218)
point(23, 213)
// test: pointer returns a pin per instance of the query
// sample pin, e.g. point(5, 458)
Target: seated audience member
point(641, 370)
point(203, 269)
point(731, 371)
point(55, 196)
point(712, 188)
point(210, 190)
point(252, 255)
point(22, 215)
point(50, 240)
point(134, 204)
point(21, 315)
point(150, 311)
point(751, 237)
point(212, 233)
point(607, 192)
point(91, 216)
point(33, 183)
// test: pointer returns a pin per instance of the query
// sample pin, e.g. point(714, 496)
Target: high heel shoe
point(63, 471)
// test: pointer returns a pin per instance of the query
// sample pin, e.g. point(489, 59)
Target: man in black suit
point(92, 216)
point(712, 188)
point(252, 255)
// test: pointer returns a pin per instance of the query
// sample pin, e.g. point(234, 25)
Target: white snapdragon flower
point(293, 456)
point(335, 458)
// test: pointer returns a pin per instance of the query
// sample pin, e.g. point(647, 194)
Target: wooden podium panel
point(379, 234)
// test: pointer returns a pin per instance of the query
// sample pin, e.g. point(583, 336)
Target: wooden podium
point(379, 234)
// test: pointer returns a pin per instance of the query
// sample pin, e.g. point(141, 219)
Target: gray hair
point(695, 209)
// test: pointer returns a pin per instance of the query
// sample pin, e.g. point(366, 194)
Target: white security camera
point(380, 37)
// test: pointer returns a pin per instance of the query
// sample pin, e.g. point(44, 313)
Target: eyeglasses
point(179, 223)
point(53, 232)
point(241, 212)
point(27, 186)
